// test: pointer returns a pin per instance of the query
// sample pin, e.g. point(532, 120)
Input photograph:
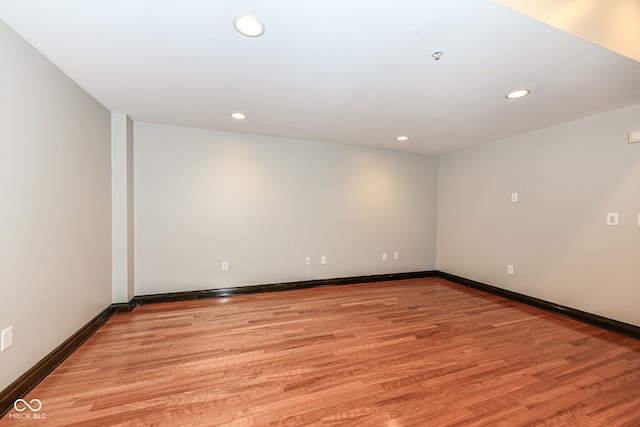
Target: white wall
point(55, 249)
point(263, 204)
point(568, 178)
point(122, 242)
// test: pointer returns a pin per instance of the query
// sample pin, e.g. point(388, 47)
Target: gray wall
point(55, 250)
point(122, 232)
point(568, 178)
point(263, 204)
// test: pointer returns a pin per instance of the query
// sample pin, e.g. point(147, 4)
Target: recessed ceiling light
point(239, 116)
point(518, 94)
point(248, 26)
point(402, 138)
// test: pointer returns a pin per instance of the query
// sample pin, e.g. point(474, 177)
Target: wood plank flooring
point(423, 352)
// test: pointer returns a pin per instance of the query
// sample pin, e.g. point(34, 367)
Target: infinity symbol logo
point(37, 405)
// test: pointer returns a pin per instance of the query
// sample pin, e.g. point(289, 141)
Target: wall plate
point(6, 340)
point(634, 136)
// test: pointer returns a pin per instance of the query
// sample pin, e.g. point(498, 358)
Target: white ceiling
point(354, 72)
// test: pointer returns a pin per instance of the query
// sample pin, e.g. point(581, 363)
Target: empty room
point(290, 213)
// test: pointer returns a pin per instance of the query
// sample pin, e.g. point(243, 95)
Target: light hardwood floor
point(423, 352)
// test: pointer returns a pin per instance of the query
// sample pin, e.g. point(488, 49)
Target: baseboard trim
point(277, 287)
point(27, 381)
point(621, 328)
point(124, 307)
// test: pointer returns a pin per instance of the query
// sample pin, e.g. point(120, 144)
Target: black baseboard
point(277, 287)
point(124, 307)
point(27, 381)
point(621, 328)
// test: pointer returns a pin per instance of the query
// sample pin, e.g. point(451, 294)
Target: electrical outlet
point(509, 269)
point(612, 218)
point(225, 265)
point(323, 259)
point(307, 261)
point(6, 338)
point(384, 256)
point(396, 256)
point(639, 219)
point(514, 197)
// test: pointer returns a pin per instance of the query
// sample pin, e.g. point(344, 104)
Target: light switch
point(6, 338)
point(612, 218)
